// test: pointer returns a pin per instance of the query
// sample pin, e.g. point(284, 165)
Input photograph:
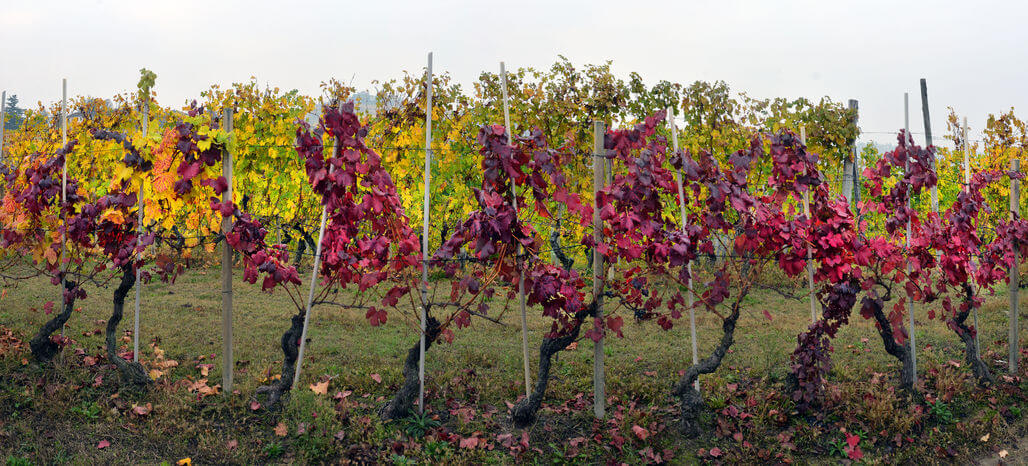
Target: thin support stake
point(906, 169)
point(3, 121)
point(689, 292)
point(928, 139)
point(64, 179)
point(1013, 341)
point(967, 189)
point(139, 235)
point(810, 260)
point(424, 238)
point(521, 269)
point(226, 268)
point(599, 382)
point(314, 284)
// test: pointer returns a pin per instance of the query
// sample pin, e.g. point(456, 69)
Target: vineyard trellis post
point(928, 139)
point(691, 300)
point(599, 379)
point(967, 189)
point(64, 180)
point(3, 122)
point(906, 169)
point(810, 259)
point(521, 269)
point(226, 265)
point(336, 150)
point(424, 237)
point(854, 166)
point(1013, 341)
point(139, 229)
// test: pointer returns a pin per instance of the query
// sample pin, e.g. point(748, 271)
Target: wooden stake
point(314, 276)
point(855, 161)
point(3, 122)
point(139, 234)
point(967, 189)
point(1013, 341)
point(906, 168)
point(691, 300)
point(226, 267)
point(521, 274)
point(810, 260)
point(928, 139)
point(424, 238)
point(599, 378)
point(64, 179)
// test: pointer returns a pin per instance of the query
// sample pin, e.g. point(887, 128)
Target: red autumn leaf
point(103, 444)
point(377, 378)
point(640, 432)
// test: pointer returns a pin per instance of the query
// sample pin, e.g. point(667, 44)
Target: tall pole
point(855, 164)
point(424, 237)
point(226, 267)
point(599, 382)
point(967, 189)
point(336, 149)
point(690, 299)
point(810, 259)
point(139, 231)
point(521, 269)
point(906, 169)
point(1013, 341)
point(64, 179)
point(928, 139)
point(3, 122)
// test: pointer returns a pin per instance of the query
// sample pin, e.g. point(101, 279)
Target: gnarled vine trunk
point(42, 346)
point(691, 400)
point(132, 373)
point(403, 402)
point(524, 413)
point(898, 351)
point(974, 360)
point(290, 351)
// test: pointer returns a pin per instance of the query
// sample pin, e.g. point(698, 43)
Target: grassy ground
point(62, 413)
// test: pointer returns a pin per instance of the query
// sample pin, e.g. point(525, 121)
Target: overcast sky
point(973, 54)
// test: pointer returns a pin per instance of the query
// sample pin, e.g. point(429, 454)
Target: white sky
point(972, 53)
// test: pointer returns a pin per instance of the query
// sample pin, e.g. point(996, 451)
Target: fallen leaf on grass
point(254, 406)
point(377, 378)
point(232, 444)
point(985, 438)
point(640, 432)
point(1003, 453)
point(142, 410)
point(281, 430)
point(320, 388)
point(103, 444)
point(185, 462)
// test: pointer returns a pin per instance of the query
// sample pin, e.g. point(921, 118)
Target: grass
point(60, 414)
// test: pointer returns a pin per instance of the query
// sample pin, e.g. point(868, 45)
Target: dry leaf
point(321, 388)
point(1003, 453)
point(377, 378)
point(281, 430)
point(185, 462)
point(103, 444)
point(985, 438)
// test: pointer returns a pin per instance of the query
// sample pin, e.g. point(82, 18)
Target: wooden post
point(906, 168)
point(1013, 341)
point(810, 260)
point(928, 139)
point(64, 178)
point(424, 238)
point(855, 163)
point(521, 271)
point(3, 122)
point(139, 232)
point(967, 189)
point(691, 300)
point(226, 267)
point(314, 276)
point(599, 382)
